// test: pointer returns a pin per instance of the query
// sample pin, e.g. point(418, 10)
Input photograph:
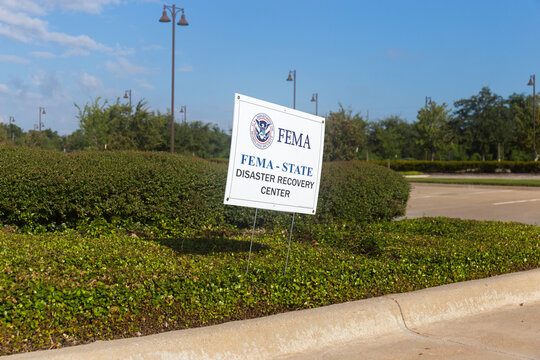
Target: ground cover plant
point(66, 288)
point(501, 182)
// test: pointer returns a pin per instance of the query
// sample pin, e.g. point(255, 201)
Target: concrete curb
point(468, 298)
point(299, 331)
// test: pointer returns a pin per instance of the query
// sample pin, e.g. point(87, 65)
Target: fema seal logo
point(262, 131)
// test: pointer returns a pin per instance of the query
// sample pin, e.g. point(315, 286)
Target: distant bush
point(464, 166)
point(51, 189)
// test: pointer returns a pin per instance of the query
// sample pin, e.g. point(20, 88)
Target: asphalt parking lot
point(478, 202)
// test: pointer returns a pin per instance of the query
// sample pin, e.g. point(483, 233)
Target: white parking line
point(465, 193)
point(488, 192)
point(515, 202)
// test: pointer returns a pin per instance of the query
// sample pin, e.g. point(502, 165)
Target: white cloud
point(88, 6)
point(153, 47)
point(76, 52)
point(9, 33)
point(186, 68)
point(83, 42)
point(4, 89)
point(43, 55)
point(89, 83)
point(123, 68)
point(20, 21)
point(38, 7)
point(28, 6)
point(22, 27)
point(49, 84)
point(121, 51)
point(146, 85)
point(13, 59)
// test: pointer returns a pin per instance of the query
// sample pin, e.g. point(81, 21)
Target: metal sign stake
point(251, 245)
point(289, 249)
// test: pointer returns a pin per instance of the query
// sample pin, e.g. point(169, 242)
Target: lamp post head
point(182, 21)
point(164, 17)
point(531, 80)
point(126, 95)
point(43, 112)
point(290, 77)
point(314, 98)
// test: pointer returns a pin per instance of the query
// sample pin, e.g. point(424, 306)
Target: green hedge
point(51, 189)
point(464, 166)
point(359, 191)
point(349, 191)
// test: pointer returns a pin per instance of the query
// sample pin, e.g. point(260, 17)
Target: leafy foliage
point(483, 127)
point(465, 166)
point(50, 189)
point(359, 191)
point(65, 289)
point(432, 127)
point(42, 190)
point(119, 127)
point(392, 138)
point(345, 135)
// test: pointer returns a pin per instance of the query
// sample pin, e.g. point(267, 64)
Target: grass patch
point(66, 289)
point(501, 182)
point(405, 173)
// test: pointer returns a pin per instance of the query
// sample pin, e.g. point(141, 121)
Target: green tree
point(432, 128)
point(77, 140)
point(520, 108)
point(477, 117)
point(33, 138)
point(94, 123)
point(11, 133)
point(4, 134)
point(145, 128)
point(203, 140)
point(345, 135)
point(389, 137)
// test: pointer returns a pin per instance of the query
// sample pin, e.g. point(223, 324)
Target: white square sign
point(276, 157)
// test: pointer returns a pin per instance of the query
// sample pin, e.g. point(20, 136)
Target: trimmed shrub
point(350, 191)
point(464, 166)
point(360, 191)
point(49, 189)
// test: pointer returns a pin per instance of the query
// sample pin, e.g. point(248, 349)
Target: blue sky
point(382, 57)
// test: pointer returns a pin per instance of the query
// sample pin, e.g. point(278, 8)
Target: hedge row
point(43, 188)
point(464, 166)
point(49, 188)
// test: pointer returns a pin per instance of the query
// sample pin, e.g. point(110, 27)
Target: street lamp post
point(183, 110)
point(182, 22)
point(315, 99)
point(293, 79)
point(532, 81)
point(41, 111)
point(126, 96)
